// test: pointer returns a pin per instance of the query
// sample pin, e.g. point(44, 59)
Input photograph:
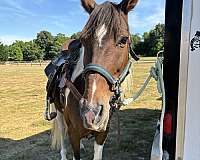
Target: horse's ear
point(88, 5)
point(127, 5)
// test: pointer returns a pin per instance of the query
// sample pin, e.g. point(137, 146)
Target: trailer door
point(188, 124)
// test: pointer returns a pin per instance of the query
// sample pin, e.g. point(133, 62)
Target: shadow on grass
point(137, 132)
point(35, 147)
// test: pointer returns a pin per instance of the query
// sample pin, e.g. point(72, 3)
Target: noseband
point(107, 75)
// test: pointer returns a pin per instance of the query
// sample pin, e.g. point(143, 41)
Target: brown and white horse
point(104, 40)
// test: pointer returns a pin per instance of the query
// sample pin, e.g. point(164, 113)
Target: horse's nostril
point(83, 102)
point(100, 110)
point(90, 117)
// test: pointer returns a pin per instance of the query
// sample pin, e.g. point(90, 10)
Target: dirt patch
point(137, 131)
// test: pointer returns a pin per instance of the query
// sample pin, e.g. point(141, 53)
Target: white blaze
point(94, 87)
point(101, 33)
point(98, 149)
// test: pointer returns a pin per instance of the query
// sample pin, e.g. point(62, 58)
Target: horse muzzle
point(91, 115)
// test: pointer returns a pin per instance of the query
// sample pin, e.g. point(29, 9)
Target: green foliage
point(151, 42)
point(3, 52)
point(32, 52)
point(45, 40)
point(75, 35)
point(54, 50)
point(15, 51)
point(60, 38)
point(45, 46)
point(135, 39)
point(50, 45)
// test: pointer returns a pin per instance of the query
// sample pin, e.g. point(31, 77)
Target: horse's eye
point(122, 41)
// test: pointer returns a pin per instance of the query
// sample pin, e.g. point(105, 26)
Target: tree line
point(46, 46)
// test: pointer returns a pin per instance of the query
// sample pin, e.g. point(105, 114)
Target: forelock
point(106, 14)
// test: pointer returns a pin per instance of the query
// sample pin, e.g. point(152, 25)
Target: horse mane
point(109, 14)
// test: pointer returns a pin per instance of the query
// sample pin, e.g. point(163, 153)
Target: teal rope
point(156, 73)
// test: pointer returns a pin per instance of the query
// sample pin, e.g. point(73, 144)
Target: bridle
point(114, 83)
point(115, 100)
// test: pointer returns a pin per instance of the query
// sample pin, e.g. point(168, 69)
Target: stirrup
point(47, 114)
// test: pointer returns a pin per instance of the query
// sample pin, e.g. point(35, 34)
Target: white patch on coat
point(101, 32)
point(82, 145)
point(94, 87)
point(79, 66)
point(98, 150)
point(67, 91)
point(62, 126)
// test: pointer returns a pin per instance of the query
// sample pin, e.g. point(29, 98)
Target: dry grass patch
point(22, 94)
point(22, 97)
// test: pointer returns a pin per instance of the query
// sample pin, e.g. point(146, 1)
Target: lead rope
point(156, 72)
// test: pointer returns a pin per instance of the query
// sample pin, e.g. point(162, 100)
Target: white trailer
point(188, 117)
point(182, 83)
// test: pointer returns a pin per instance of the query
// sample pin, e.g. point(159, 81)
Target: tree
point(60, 38)
point(45, 40)
point(15, 52)
point(136, 38)
point(32, 52)
point(55, 49)
point(3, 52)
point(58, 41)
point(155, 40)
point(76, 35)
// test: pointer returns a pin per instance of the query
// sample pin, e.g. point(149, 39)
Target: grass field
point(24, 133)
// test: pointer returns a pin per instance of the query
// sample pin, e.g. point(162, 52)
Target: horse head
point(105, 39)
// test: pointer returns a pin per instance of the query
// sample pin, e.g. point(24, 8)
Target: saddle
point(63, 63)
point(67, 50)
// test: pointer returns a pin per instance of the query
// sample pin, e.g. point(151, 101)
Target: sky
point(23, 19)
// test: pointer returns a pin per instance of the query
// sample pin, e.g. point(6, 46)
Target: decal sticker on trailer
point(195, 42)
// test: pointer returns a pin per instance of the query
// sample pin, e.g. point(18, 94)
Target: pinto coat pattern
point(104, 42)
